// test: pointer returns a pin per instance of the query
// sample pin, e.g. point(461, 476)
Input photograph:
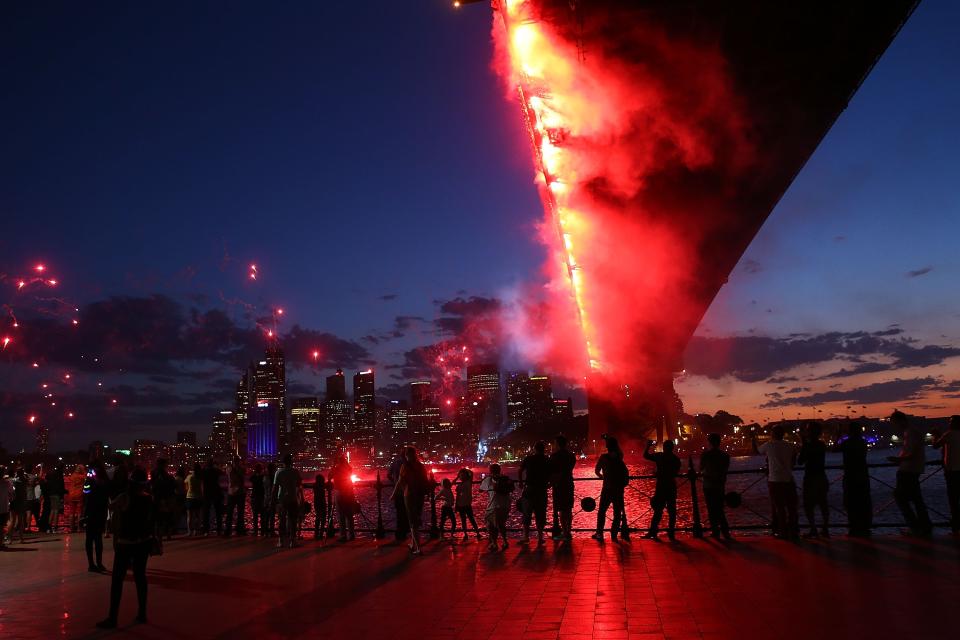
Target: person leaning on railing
point(856, 482)
point(912, 459)
point(950, 443)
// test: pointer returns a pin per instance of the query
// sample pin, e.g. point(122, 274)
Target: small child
point(465, 501)
point(498, 488)
point(445, 498)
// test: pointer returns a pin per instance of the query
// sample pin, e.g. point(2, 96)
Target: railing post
point(380, 533)
point(331, 530)
point(694, 502)
point(434, 529)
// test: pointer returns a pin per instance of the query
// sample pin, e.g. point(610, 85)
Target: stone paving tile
point(755, 588)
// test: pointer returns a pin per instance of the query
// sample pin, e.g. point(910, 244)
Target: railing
point(748, 516)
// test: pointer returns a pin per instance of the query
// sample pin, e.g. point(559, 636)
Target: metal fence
point(376, 513)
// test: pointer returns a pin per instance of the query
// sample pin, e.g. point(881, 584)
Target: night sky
point(368, 160)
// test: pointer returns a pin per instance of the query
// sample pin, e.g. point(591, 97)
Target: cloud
point(919, 272)
point(897, 390)
point(753, 358)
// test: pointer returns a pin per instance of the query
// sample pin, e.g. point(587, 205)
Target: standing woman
point(96, 498)
point(464, 501)
point(413, 484)
point(132, 541)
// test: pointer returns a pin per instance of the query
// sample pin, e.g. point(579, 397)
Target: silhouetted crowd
point(139, 513)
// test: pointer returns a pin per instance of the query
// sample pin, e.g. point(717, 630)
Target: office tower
point(364, 410)
point(518, 399)
point(262, 434)
point(483, 388)
point(43, 439)
point(147, 452)
point(304, 424)
point(423, 417)
point(337, 386)
point(541, 401)
point(398, 422)
point(270, 386)
point(335, 417)
point(563, 410)
point(242, 411)
point(222, 434)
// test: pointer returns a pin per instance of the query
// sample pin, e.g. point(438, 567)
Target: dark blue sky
point(368, 160)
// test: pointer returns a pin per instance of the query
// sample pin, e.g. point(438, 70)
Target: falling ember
point(114, 401)
point(6, 340)
point(32, 419)
point(40, 268)
point(279, 312)
point(253, 272)
point(36, 365)
point(70, 414)
point(52, 283)
point(75, 322)
point(21, 284)
point(316, 355)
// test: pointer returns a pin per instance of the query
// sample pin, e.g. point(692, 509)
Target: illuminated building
point(483, 388)
point(304, 424)
point(541, 400)
point(563, 409)
point(147, 452)
point(398, 421)
point(187, 437)
point(242, 411)
point(364, 410)
point(518, 399)
point(423, 415)
point(221, 435)
point(335, 417)
point(43, 439)
point(270, 386)
point(262, 434)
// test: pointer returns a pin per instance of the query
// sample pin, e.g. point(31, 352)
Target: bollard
point(380, 533)
point(694, 502)
point(434, 529)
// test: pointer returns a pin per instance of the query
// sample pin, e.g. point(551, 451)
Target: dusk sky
point(368, 160)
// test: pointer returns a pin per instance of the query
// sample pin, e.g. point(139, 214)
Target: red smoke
point(628, 123)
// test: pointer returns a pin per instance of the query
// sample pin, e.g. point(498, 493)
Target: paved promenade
point(244, 588)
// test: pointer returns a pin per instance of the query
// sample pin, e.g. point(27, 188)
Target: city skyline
point(829, 307)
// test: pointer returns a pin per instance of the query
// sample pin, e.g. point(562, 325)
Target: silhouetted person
point(163, 488)
point(780, 457)
point(950, 443)
point(269, 508)
point(534, 479)
point(612, 469)
point(212, 497)
point(96, 498)
point(344, 497)
point(414, 485)
point(56, 490)
point(393, 475)
point(464, 502)
point(856, 482)
point(562, 462)
point(287, 492)
point(134, 531)
point(237, 499)
point(194, 503)
point(912, 459)
point(665, 492)
point(813, 458)
point(319, 506)
point(714, 464)
point(498, 488)
point(446, 500)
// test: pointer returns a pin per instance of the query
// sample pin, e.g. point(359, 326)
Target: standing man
point(288, 495)
point(212, 497)
point(237, 498)
point(612, 469)
point(562, 462)
point(856, 482)
point(912, 459)
point(56, 489)
point(534, 478)
point(781, 456)
point(950, 443)
point(714, 464)
point(393, 475)
point(665, 493)
point(813, 457)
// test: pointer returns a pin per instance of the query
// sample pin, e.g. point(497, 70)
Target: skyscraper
point(423, 416)
point(364, 409)
point(483, 388)
point(518, 399)
point(221, 435)
point(336, 420)
point(242, 412)
point(398, 422)
point(262, 430)
point(304, 424)
point(270, 386)
point(542, 410)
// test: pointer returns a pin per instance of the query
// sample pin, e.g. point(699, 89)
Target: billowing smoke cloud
point(633, 130)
